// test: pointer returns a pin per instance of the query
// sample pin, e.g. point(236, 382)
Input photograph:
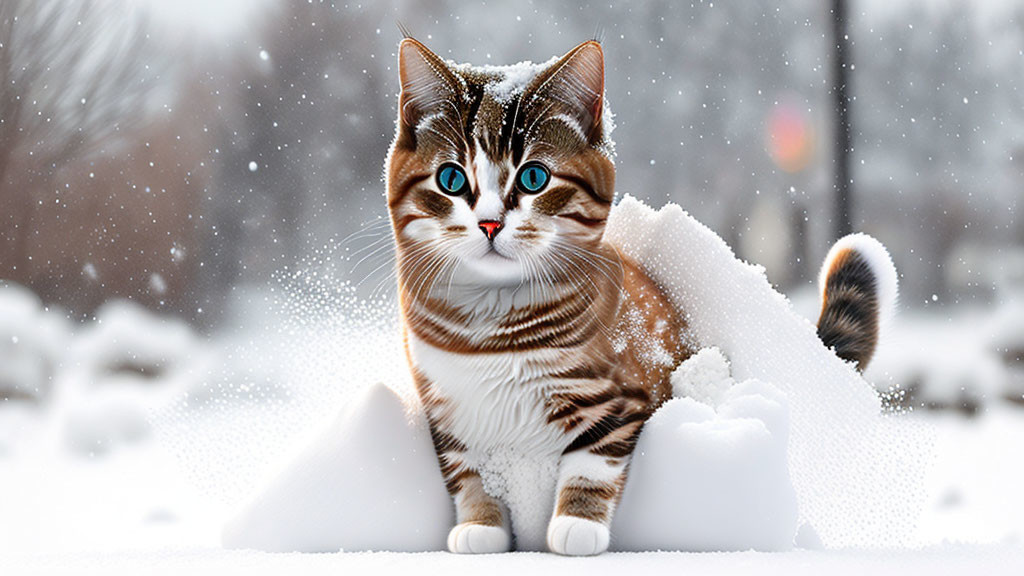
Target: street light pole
point(840, 92)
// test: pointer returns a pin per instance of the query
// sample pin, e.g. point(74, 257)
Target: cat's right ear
point(428, 86)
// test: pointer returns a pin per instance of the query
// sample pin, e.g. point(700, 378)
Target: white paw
point(577, 536)
point(470, 538)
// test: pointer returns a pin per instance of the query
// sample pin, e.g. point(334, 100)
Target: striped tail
point(858, 295)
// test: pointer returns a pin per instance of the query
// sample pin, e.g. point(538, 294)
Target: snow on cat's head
point(499, 175)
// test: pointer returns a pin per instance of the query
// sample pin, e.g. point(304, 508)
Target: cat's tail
point(858, 296)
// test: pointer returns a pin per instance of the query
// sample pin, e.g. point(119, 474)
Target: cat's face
point(499, 175)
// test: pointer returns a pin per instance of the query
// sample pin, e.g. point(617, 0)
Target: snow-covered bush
point(963, 362)
point(1007, 343)
point(32, 341)
point(126, 364)
point(129, 344)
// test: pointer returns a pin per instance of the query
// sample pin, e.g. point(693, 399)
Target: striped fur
point(545, 343)
point(858, 292)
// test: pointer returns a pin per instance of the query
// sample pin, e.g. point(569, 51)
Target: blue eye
point(451, 179)
point(533, 178)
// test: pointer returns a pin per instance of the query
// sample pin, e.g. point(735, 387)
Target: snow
point(955, 362)
point(125, 366)
point(371, 482)
point(857, 482)
point(704, 377)
point(720, 469)
point(938, 561)
point(513, 78)
point(141, 508)
point(729, 466)
point(711, 477)
point(31, 338)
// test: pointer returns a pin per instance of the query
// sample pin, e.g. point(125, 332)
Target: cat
point(538, 351)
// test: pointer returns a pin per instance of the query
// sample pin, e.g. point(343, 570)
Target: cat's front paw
point(574, 536)
point(471, 538)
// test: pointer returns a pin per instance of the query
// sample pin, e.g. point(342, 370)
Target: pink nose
point(490, 228)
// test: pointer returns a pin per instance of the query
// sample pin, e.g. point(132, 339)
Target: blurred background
point(187, 185)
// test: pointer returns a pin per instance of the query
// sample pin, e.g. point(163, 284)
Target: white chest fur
point(495, 405)
point(493, 400)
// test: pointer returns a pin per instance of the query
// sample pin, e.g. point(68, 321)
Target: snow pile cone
point(371, 482)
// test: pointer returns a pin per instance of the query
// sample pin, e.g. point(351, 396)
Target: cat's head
point(500, 174)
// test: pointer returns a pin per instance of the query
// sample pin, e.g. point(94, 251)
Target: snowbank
point(710, 470)
point(857, 483)
point(371, 482)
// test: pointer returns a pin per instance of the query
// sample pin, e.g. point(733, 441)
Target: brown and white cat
point(520, 323)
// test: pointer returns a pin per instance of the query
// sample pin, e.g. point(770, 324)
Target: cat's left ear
point(575, 86)
point(428, 86)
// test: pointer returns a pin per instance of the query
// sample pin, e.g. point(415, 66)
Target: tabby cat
point(520, 323)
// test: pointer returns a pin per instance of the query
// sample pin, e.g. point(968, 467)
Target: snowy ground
point(937, 561)
point(137, 508)
point(139, 505)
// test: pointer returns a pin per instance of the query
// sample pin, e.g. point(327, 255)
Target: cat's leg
point(591, 476)
point(482, 525)
point(589, 486)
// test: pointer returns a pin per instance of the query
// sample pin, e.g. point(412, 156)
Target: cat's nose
point(490, 228)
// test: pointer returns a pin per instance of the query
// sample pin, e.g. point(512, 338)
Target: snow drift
point(729, 467)
point(371, 482)
point(857, 483)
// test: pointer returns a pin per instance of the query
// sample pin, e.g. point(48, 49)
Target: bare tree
point(317, 120)
point(73, 77)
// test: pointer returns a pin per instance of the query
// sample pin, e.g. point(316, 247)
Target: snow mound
point(128, 342)
point(711, 475)
point(703, 377)
point(371, 482)
point(704, 477)
point(857, 482)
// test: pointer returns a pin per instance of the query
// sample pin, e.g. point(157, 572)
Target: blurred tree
point(100, 169)
point(71, 81)
point(938, 115)
point(317, 116)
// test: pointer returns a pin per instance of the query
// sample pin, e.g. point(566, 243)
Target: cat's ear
point(428, 86)
point(574, 86)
